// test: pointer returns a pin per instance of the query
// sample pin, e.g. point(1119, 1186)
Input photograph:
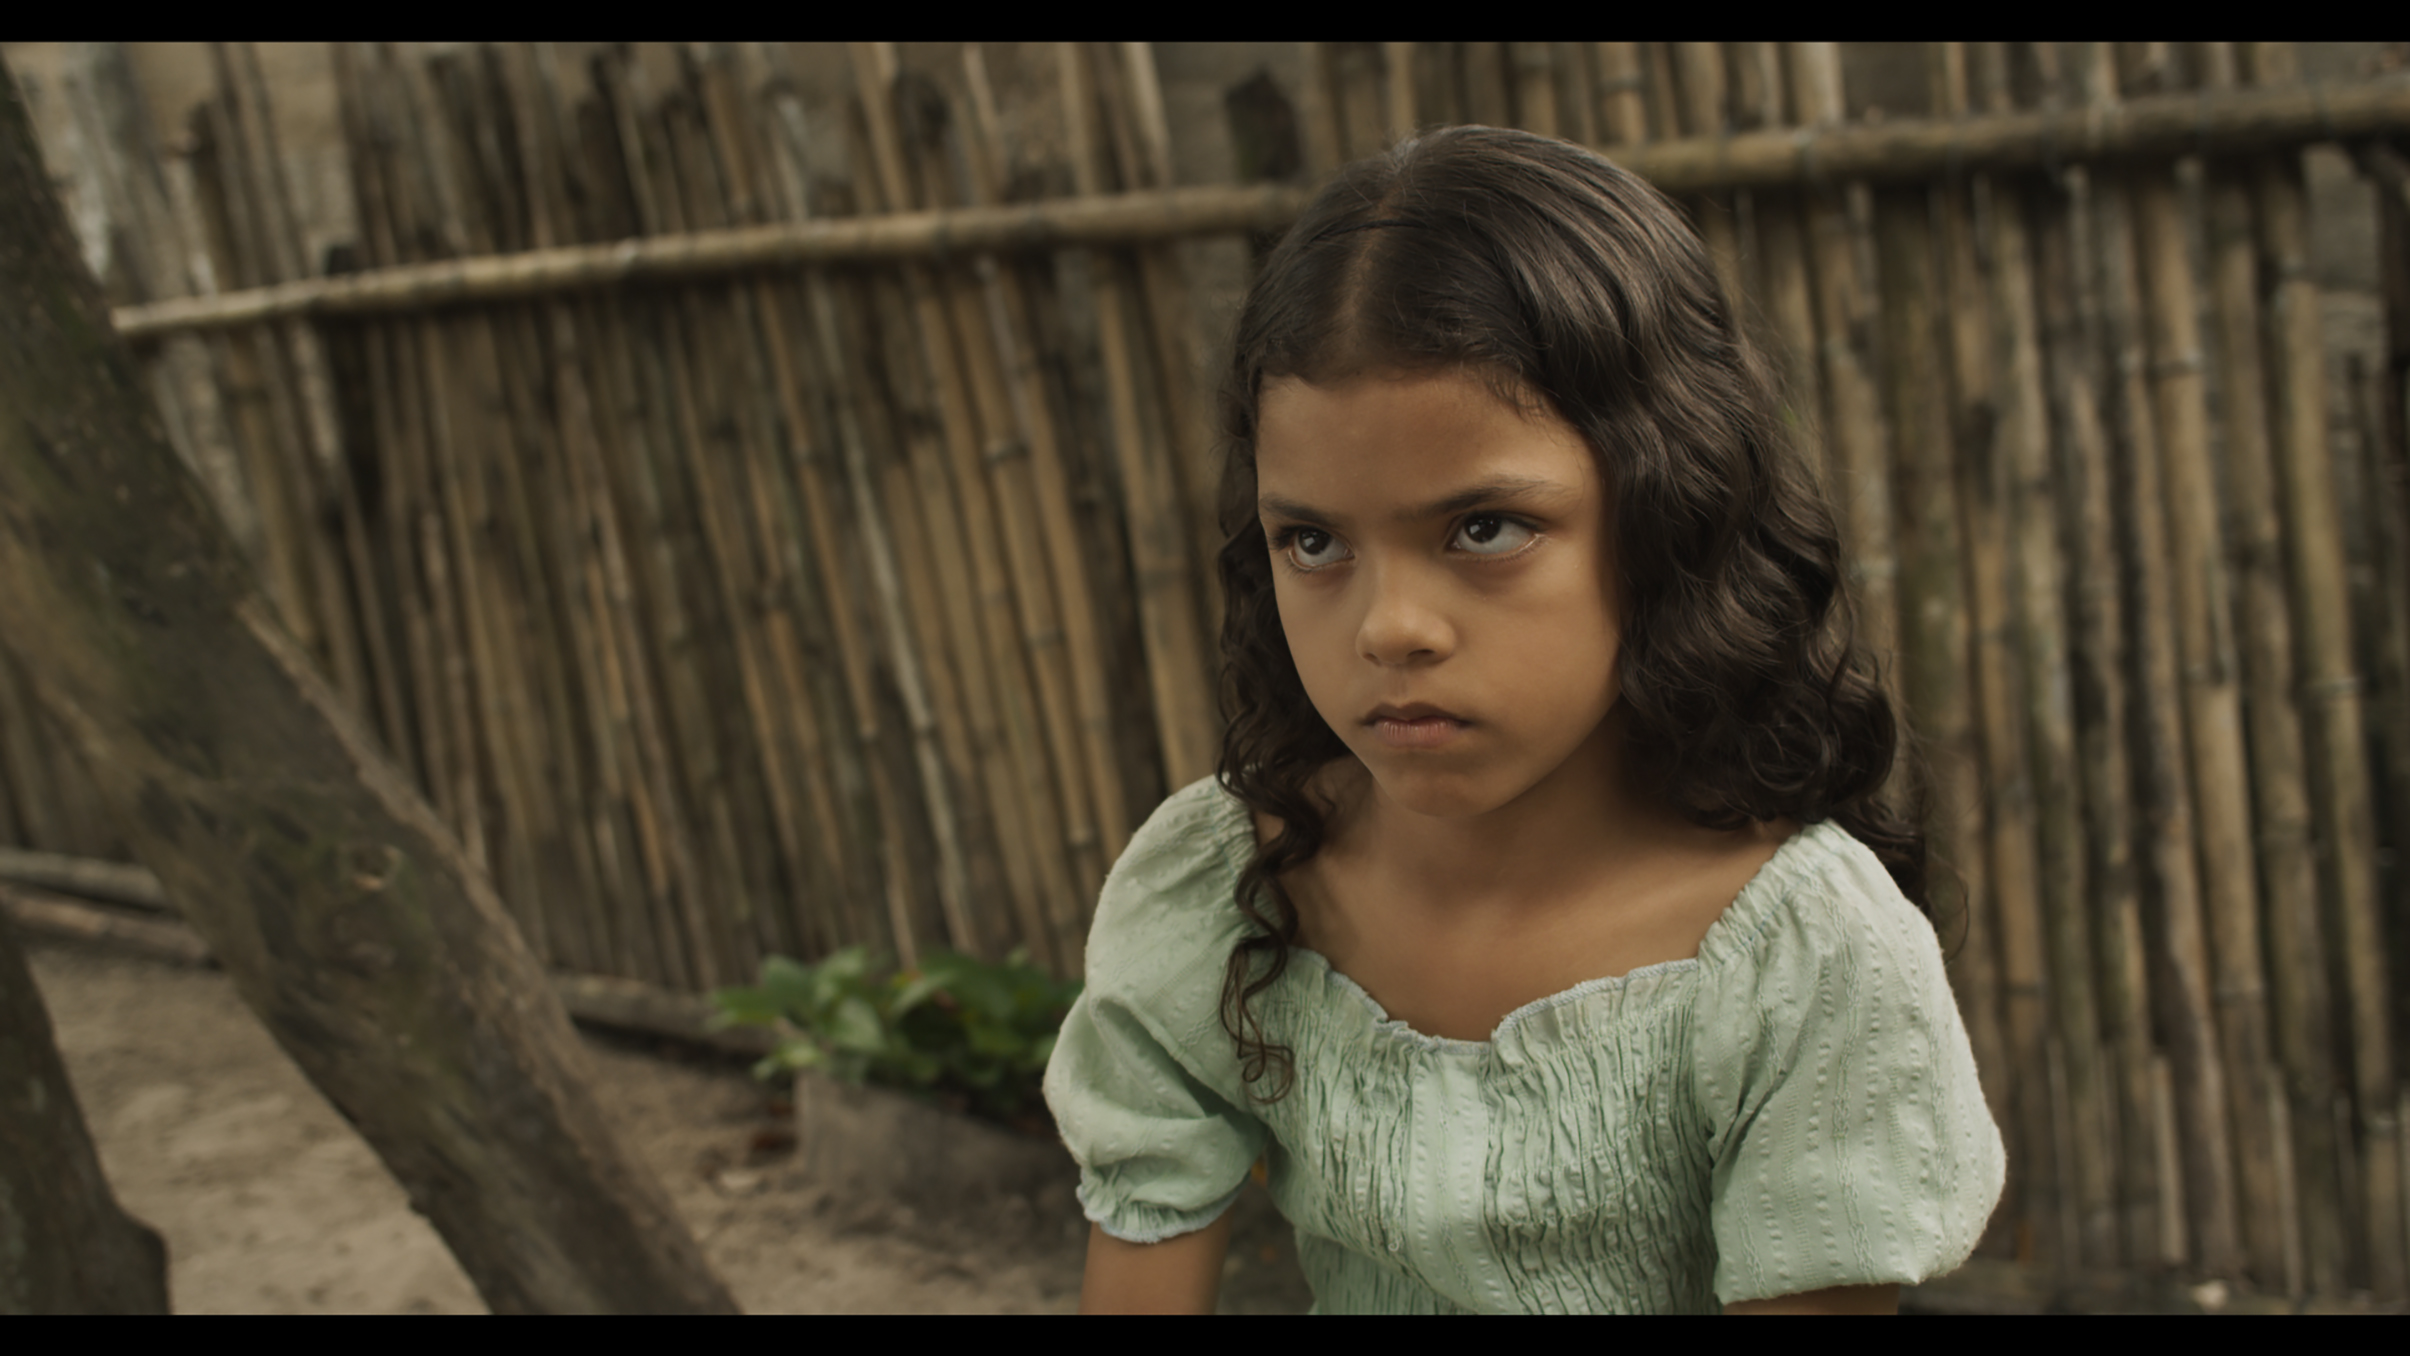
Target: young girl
point(1541, 931)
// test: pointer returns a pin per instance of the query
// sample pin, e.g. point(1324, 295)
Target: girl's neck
point(1552, 845)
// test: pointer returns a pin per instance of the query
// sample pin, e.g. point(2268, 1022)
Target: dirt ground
point(270, 1203)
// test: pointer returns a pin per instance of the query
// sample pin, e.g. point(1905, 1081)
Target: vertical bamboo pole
point(2381, 612)
point(825, 479)
point(261, 423)
point(1357, 80)
point(1622, 107)
point(1176, 667)
point(1399, 59)
point(1705, 113)
point(493, 573)
point(706, 434)
point(726, 440)
point(1136, 97)
point(641, 475)
point(1008, 317)
point(1936, 679)
point(1325, 143)
point(1051, 921)
point(600, 786)
point(296, 367)
point(957, 725)
point(820, 855)
point(1577, 91)
point(1787, 298)
point(117, 132)
point(503, 191)
point(1534, 88)
point(2005, 811)
point(2161, 762)
point(605, 457)
point(2052, 924)
point(518, 169)
point(1026, 800)
point(2212, 710)
point(2288, 869)
point(361, 91)
point(416, 231)
point(2385, 423)
point(2330, 687)
point(1488, 99)
point(1664, 94)
point(2071, 323)
point(1845, 321)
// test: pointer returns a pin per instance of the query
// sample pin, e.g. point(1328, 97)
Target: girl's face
point(1443, 568)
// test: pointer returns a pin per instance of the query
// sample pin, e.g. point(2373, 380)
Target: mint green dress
point(1793, 1109)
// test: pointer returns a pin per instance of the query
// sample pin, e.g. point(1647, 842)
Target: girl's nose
point(1401, 626)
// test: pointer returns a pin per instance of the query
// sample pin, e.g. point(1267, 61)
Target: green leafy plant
point(956, 1028)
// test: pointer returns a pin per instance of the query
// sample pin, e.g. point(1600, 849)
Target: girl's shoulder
point(1169, 903)
point(1823, 898)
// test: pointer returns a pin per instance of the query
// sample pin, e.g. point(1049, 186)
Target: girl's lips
point(1423, 732)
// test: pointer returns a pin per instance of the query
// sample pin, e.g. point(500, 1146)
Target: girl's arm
point(1180, 1275)
point(1845, 1299)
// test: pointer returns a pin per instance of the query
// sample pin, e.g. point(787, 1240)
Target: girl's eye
point(1311, 548)
point(1489, 534)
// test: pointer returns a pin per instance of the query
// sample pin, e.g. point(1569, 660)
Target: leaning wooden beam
point(1905, 150)
point(347, 916)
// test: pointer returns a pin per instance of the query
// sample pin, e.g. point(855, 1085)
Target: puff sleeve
point(1849, 1138)
point(1142, 1082)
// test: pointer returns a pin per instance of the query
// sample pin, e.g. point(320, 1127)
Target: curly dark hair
point(1553, 274)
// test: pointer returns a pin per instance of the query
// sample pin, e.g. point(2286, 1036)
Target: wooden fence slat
point(2331, 688)
point(2046, 934)
point(2004, 958)
point(1172, 626)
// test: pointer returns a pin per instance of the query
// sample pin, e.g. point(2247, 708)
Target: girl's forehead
point(1376, 444)
point(1427, 416)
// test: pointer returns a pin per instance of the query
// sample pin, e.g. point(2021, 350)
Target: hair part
point(1563, 280)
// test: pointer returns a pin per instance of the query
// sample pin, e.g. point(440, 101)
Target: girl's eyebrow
point(1472, 496)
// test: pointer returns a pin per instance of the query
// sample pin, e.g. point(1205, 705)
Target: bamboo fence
point(766, 503)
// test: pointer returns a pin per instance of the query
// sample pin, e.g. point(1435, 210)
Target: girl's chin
point(1438, 792)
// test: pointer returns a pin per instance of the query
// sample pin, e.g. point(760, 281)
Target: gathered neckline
point(1242, 847)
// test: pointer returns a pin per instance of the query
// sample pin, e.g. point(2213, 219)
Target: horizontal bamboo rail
point(1056, 224)
point(1908, 149)
point(117, 882)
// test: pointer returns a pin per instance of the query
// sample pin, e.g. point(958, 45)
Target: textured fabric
point(1793, 1109)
